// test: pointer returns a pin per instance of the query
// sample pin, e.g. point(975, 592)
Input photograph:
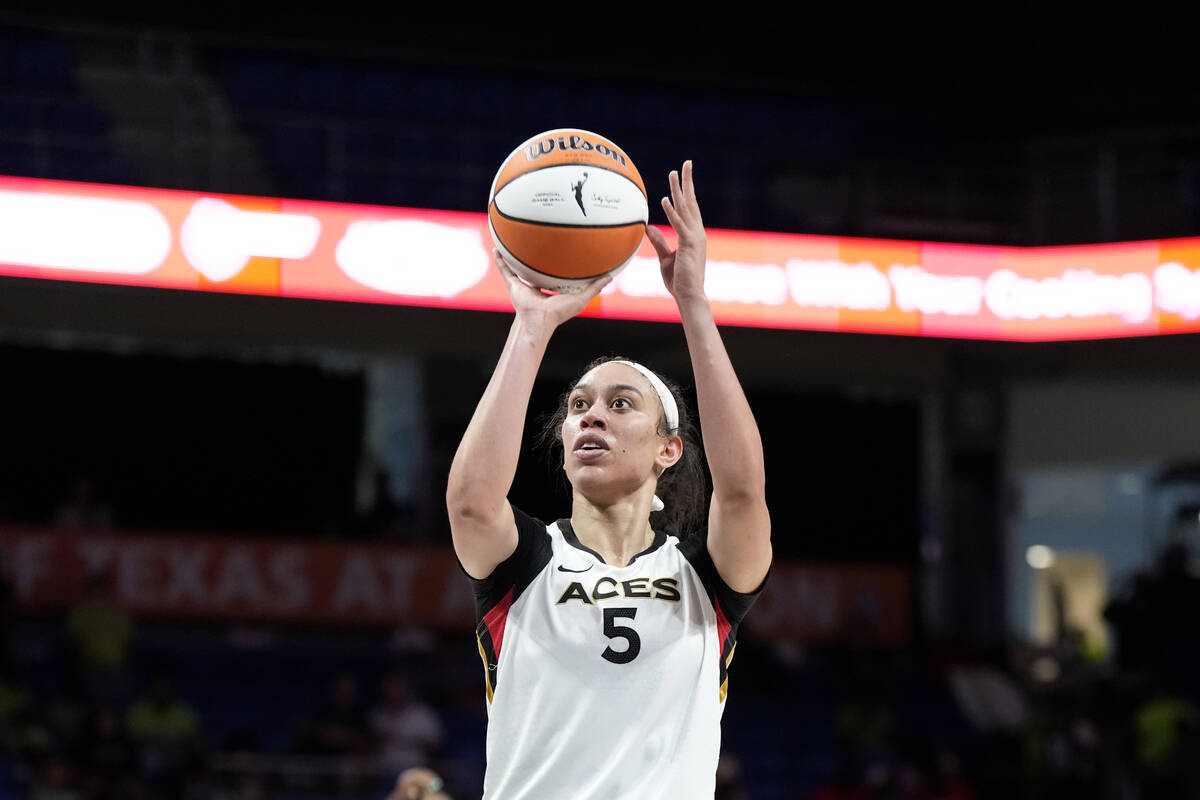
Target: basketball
point(566, 207)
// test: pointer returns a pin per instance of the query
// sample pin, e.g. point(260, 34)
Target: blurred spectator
point(930, 772)
point(456, 682)
point(240, 780)
point(418, 783)
point(166, 732)
point(56, 779)
point(865, 722)
point(14, 694)
point(845, 783)
point(1166, 731)
point(730, 779)
point(1064, 753)
point(27, 737)
point(108, 757)
point(21, 733)
point(101, 632)
point(1129, 612)
point(996, 705)
point(990, 699)
point(408, 731)
point(245, 785)
point(339, 728)
point(67, 714)
point(83, 509)
point(1151, 633)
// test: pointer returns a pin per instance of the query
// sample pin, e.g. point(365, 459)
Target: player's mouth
point(590, 447)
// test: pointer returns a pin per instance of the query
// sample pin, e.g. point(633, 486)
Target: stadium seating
point(47, 128)
point(417, 136)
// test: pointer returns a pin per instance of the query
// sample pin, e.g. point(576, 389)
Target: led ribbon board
point(185, 240)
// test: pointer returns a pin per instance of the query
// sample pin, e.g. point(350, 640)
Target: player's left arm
point(739, 526)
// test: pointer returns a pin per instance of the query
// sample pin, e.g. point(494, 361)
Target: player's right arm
point(481, 521)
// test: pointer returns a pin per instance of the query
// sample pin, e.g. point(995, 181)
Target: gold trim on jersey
point(725, 683)
point(487, 672)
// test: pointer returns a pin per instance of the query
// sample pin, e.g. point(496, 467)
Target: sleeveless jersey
point(604, 681)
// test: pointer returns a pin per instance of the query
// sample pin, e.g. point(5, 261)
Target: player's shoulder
point(531, 554)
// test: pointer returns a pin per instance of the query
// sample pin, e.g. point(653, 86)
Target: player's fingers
point(516, 286)
point(593, 288)
point(690, 205)
point(672, 215)
point(683, 200)
point(659, 242)
point(689, 185)
point(506, 271)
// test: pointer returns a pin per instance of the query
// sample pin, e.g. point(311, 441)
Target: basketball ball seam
point(528, 266)
point(497, 190)
point(563, 224)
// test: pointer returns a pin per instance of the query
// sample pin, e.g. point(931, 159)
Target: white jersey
point(604, 681)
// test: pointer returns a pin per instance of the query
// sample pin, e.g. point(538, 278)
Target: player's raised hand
point(552, 309)
point(682, 269)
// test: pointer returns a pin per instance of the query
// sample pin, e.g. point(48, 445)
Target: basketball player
point(606, 637)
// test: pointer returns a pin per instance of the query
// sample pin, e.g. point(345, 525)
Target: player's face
point(611, 441)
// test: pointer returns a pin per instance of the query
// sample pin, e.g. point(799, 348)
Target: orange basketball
point(567, 206)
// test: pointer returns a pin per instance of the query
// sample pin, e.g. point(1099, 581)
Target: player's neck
point(617, 532)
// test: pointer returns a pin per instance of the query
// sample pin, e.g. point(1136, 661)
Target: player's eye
point(621, 402)
point(577, 404)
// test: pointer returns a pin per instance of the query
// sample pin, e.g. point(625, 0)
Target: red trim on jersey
point(723, 626)
point(495, 620)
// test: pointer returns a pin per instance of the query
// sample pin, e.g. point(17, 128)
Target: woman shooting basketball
point(606, 641)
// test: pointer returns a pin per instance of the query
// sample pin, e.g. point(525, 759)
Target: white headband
point(664, 394)
point(668, 403)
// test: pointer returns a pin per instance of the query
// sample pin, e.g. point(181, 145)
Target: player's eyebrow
point(616, 387)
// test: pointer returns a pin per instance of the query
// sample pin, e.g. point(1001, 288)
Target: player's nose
point(594, 417)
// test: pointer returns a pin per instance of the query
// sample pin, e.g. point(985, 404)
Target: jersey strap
point(495, 594)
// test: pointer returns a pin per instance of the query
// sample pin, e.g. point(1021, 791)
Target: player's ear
point(669, 452)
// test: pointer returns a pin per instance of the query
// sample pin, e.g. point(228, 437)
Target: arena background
point(985, 582)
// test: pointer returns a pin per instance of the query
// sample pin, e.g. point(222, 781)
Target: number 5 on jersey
point(614, 631)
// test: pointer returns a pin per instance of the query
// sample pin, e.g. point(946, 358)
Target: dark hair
point(682, 488)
